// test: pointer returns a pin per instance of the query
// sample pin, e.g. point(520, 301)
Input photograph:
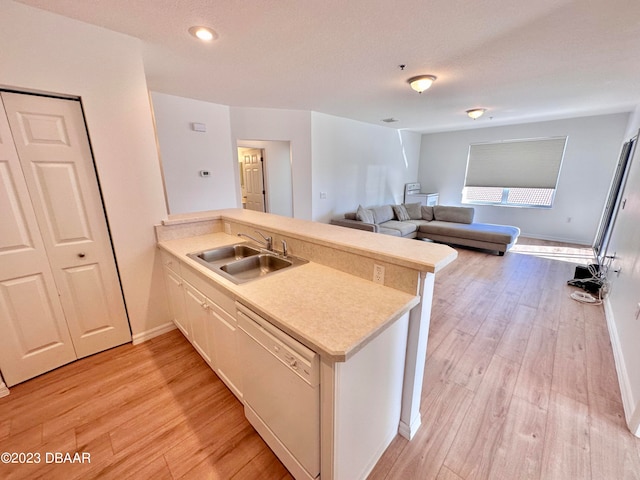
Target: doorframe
point(614, 199)
point(273, 199)
point(240, 166)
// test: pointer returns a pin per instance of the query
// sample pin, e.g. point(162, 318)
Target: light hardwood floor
point(520, 381)
point(519, 384)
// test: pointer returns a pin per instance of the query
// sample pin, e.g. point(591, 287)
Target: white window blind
point(516, 163)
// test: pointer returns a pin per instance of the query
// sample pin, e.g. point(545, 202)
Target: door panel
point(14, 232)
point(87, 290)
point(53, 148)
point(61, 199)
point(34, 338)
point(27, 297)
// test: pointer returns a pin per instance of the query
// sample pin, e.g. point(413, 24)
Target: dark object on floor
point(587, 278)
point(589, 271)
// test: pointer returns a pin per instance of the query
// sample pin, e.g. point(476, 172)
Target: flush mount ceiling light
point(205, 34)
point(421, 82)
point(476, 112)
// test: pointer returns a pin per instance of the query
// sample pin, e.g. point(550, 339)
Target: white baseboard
point(4, 390)
point(408, 431)
point(621, 369)
point(154, 332)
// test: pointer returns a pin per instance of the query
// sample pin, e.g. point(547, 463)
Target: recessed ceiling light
point(389, 120)
point(205, 34)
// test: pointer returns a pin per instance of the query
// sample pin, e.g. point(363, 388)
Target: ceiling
point(522, 60)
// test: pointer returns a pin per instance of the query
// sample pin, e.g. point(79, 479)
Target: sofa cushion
point(405, 228)
point(418, 223)
point(426, 212)
point(365, 215)
point(453, 214)
point(483, 232)
point(382, 214)
point(401, 213)
point(350, 216)
point(389, 231)
point(414, 210)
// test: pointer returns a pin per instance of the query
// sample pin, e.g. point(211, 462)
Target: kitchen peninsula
point(370, 339)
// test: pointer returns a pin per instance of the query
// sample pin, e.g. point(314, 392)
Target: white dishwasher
point(281, 393)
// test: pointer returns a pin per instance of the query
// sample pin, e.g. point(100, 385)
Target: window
point(519, 173)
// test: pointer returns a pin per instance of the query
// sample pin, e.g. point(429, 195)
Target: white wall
point(359, 163)
point(591, 155)
point(292, 126)
point(185, 152)
point(622, 303)
point(50, 53)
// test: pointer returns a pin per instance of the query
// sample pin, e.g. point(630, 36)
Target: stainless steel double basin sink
point(242, 262)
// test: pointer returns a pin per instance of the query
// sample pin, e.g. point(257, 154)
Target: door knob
point(81, 255)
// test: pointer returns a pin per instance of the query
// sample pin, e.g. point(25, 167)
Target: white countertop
point(332, 312)
point(418, 255)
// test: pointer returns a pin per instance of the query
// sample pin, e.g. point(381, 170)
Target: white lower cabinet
point(209, 327)
point(175, 292)
point(225, 340)
point(197, 307)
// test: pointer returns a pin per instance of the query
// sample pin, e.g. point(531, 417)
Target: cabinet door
point(225, 341)
point(197, 312)
point(175, 292)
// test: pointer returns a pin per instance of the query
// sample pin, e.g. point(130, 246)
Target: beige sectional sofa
point(441, 223)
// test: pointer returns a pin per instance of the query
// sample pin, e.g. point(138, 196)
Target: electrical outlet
point(378, 274)
point(227, 228)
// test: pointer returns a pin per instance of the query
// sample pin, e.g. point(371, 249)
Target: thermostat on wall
point(199, 127)
point(205, 173)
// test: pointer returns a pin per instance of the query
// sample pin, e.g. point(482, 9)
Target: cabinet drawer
point(170, 261)
point(216, 294)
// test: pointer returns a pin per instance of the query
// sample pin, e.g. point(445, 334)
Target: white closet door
point(53, 148)
point(34, 337)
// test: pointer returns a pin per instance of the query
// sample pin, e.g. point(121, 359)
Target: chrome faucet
point(268, 241)
point(284, 248)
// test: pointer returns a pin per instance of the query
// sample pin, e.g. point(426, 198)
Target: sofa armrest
point(357, 224)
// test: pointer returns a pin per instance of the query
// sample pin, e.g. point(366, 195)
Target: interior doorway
point(276, 181)
point(252, 185)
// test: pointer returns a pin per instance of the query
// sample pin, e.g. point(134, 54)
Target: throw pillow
point(427, 213)
point(382, 214)
point(364, 215)
point(401, 213)
point(413, 209)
